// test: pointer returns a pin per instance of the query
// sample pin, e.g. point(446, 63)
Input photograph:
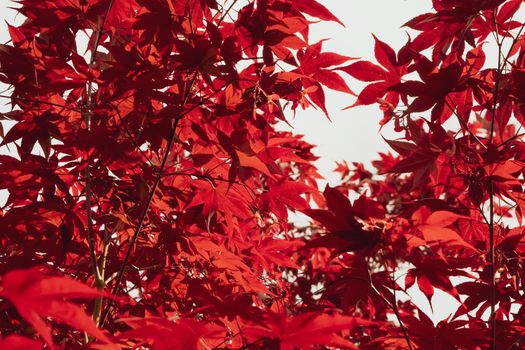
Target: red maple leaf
point(37, 296)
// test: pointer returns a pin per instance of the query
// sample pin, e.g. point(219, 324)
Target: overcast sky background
point(353, 135)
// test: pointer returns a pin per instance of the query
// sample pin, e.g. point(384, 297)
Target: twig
point(203, 176)
point(87, 114)
point(394, 308)
point(492, 267)
point(492, 296)
point(464, 124)
point(150, 198)
point(144, 213)
point(226, 13)
point(42, 102)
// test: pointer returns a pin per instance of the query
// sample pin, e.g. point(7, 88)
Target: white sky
point(353, 134)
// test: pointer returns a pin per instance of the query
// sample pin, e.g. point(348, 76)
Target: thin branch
point(24, 99)
point(492, 293)
point(145, 210)
point(227, 339)
point(203, 176)
point(100, 28)
point(247, 346)
point(492, 267)
point(501, 66)
point(97, 310)
point(464, 123)
point(385, 300)
point(226, 13)
point(130, 136)
point(87, 114)
point(394, 304)
point(394, 308)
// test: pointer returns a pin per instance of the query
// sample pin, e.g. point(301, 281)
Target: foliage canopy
point(149, 186)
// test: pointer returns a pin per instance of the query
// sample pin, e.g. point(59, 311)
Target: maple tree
point(149, 185)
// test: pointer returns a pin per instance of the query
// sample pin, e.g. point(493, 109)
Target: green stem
point(100, 282)
point(87, 114)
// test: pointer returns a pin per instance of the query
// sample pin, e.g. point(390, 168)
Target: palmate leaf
point(37, 296)
point(306, 330)
point(16, 342)
point(380, 78)
point(435, 228)
point(187, 334)
point(158, 151)
point(346, 233)
point(315, 9)
point(285, 195)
